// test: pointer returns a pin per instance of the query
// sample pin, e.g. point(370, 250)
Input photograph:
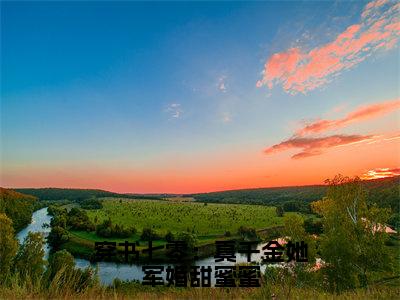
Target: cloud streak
point(299, 71)
point(380, 173)
point(362, 113)
point(311, 146)
point(175, 110)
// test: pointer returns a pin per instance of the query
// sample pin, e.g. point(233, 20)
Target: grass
point(132, 290)
point(198, 218)
point(209, 222)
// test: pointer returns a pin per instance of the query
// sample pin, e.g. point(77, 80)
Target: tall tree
point(29, 262)
point(8, 246)
point(353, 243)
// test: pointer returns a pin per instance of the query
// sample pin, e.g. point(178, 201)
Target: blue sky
point(168, 88)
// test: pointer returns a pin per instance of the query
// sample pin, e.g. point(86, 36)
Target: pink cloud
point(311, 146)
point(360, 114)
point(301, 71)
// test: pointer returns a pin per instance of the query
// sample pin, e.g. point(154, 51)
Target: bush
point(57, 237)
point(247, 232)
point(313, 226)
point(92, 203)
point(107, 229)
point(149, 234)
point(79, 220)
point(63, 276)
point(279, 211)
point(169, 237)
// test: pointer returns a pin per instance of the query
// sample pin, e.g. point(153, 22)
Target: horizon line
point(214, 191)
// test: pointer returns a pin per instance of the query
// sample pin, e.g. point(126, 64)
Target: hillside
point(55, 194)
point(384, 192)
point(18, 207)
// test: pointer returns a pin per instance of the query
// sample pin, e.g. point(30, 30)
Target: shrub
point(149, 234)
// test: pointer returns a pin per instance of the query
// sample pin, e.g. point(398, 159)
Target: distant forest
point(383, 192)
point(56, 194)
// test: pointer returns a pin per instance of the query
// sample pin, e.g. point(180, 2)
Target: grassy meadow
point(208, 222)
point(199, 218)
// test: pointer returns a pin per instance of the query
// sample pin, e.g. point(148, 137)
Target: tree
point(57, 237)
point(279, 211)
point(60, 261)
point(352, 244)
point(247, 233)
point(295, 232)
point(59, 220)
point(189, 238)
point(149, 234)
point(8, 246)
point(18, 207)
point(29, 261)
point(313, 226)
point(169, 237)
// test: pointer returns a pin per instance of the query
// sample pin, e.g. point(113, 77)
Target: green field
point(201, 219)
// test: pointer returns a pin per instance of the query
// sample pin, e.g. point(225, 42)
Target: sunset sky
point(188, 97)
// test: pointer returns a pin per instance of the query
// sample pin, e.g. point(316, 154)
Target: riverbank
point(84, 247)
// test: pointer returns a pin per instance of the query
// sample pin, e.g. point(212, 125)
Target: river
point(108, 271)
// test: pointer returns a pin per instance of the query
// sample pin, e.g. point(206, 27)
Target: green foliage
point(299, 206)
point(279, 211)
point(149, 234)
point(57, 194)
point(8, 246)
point(164, 216)
point(313, 226)
point(353, 244)
point(394, 221)
point(189, 238)
point(62, 273)
point(57, 237)
point(169, 236)
point(60, 220)
point(91, 203)
point(248, 233)
point(58, 261)
point(384, 193)
point(29, 261)
point(78, 219)
point(107, 229)
point(18, 207)
point(54, 210)
point(296, 197)
point(295, 232)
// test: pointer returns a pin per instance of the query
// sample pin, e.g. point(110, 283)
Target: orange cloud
point(317, 145)
point(380, 173)
point(300, 71)
point(360, 114)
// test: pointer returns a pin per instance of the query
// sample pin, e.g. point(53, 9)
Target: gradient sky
point(191, 97)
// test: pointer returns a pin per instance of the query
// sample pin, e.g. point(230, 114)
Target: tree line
point(17, 206)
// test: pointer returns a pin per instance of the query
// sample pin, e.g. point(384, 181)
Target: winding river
point(108, 271)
